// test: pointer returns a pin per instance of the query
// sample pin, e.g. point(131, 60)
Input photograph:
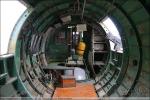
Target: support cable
point(83, 10)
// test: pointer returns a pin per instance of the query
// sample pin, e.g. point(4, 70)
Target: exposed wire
point(83, 9)
point(78, 4)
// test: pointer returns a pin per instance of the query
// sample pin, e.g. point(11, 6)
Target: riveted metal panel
point(145, 40)
point(144, 28)
point(139, 16)
point(146, 54)
point(134, 51)
point(146, 65)
point(132, 40)
point(131, 5)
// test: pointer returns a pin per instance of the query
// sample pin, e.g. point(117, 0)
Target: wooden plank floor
point(80, 91)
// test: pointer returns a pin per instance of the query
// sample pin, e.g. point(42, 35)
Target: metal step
point(108, 77)
point(43, 90)
point(97, 86)
point(103, 83)
point(115, 60)
point(40, 87)
point(109, 74)
point(105, 80)
point(11, 80)
point(98, 51)
point(101, 93)
point(109, 86)
point(4, 75)
point(112, 63)
point(47, 95)
point(31, 90)
point(99, 63)
point(5, 56)
point(36, 82)
point(97, 78)
point(118, 68)
point(122, 90)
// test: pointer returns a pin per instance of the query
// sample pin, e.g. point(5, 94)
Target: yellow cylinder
point(81, 48)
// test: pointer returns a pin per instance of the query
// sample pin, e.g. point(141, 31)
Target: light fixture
point(81, 27)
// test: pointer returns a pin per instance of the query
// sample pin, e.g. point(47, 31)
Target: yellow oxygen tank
point(81, 48)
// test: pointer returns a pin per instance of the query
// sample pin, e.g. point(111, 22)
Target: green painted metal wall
point(133, 21)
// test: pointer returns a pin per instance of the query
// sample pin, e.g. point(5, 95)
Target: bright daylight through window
point(112, 34)
point(10, 13)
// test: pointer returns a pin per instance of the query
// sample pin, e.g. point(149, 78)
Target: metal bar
point(59, 68)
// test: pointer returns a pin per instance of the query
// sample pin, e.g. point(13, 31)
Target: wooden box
point(68, 81)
